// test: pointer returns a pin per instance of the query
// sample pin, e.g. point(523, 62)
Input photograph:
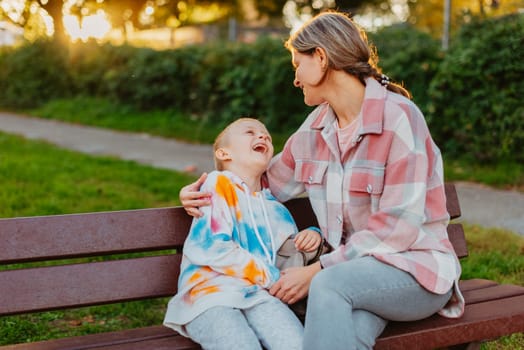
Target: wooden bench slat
point(77, 235)
point(53, 287)
point(169, 343)
point(480, 322)
point(495, 292)
point(458, 240)
point(452, 201)
point(475, 283)
point(127, 339)
point(116, 232)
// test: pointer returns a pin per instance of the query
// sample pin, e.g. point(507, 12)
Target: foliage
point(34, 74)
point(428, 15)
point(477, 107)
point(89, 63)
point(214, 83)
point(410, 57)
point(150, 80)
point(253, 80)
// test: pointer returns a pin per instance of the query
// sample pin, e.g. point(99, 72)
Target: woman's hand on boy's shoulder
point(192, 198)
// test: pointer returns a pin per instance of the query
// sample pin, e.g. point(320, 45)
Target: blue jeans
point(349, 303)
point(270, 323)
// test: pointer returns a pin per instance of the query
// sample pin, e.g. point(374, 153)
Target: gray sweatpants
point(270, 324)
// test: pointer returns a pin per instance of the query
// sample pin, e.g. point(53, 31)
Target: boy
point(230, 254)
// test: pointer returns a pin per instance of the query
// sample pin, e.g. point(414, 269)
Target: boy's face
point(248, 143)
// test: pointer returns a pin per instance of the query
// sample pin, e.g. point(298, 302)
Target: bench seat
point(490, 309)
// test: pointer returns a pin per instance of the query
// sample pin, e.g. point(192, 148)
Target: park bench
point(492, 309)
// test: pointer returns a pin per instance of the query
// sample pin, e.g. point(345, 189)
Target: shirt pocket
point(311, 173)
point(365, 185)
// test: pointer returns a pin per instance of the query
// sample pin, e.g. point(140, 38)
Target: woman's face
point(309, 76)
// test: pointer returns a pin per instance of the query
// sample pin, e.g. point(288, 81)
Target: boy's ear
point(222, 154)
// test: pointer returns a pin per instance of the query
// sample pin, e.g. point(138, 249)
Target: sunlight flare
point(93, 26)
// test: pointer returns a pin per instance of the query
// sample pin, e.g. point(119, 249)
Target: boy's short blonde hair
point(222, 140)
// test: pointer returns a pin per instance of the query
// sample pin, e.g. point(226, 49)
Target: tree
point(23, 14)
point(427, 15)
point(119, 11)
point(55, 9)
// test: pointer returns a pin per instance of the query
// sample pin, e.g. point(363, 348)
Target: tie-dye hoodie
point(229, 254)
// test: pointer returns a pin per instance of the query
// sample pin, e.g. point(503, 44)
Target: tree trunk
point(54, 8)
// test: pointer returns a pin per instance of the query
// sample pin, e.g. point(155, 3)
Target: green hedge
point(410, 57)
point(88, 65)
point(33, 75)
point(215, 82)
point(478, 94)
point(470, 95)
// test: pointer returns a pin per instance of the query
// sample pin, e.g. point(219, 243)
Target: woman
point(374, 177)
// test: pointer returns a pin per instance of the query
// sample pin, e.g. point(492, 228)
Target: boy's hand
point(307, 240)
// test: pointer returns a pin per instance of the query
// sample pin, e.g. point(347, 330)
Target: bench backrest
point(104, 255)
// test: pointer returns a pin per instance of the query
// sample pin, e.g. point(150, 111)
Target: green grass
point(39, 179)
point(75, 322)
point(494, 254)
point(503, 175)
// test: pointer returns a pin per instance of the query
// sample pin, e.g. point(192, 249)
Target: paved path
point(142, 148)
point(480, 204)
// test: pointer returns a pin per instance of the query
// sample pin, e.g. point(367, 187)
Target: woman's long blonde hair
point(346, 46)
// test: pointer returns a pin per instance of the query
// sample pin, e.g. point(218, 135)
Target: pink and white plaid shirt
point(384, 197)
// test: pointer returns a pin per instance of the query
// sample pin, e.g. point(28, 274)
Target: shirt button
point(369, 188)
point(310, 180)
point(339, 219)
